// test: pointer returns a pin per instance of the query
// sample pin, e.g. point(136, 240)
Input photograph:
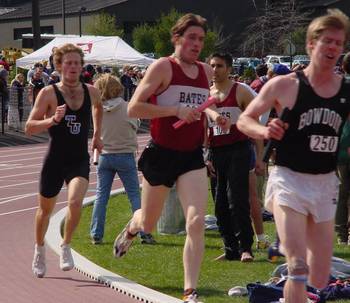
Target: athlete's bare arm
point(245, 96)
point(45, 112)
point(97, 112)
point(279, 92)
point(211, 111)
point(156, 80)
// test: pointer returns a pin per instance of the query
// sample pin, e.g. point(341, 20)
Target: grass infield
point(160, 266)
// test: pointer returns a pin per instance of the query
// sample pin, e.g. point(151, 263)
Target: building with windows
point(229, 17)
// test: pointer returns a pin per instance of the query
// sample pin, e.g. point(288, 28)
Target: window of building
point(18, 32)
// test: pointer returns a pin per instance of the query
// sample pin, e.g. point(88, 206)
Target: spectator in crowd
point(4, 63)
point(45, 69)
point(54, 77)
point(37, 83)
point(261, 77)
point(118, 155)
point(51, 61)
point(127, 82)
point(44, 76)
point(16, 104)
point(4, 92)
point(231, 160)
point(98, 73)
point(88, 74)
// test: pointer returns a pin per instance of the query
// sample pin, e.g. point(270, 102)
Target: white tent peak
point(98, 50)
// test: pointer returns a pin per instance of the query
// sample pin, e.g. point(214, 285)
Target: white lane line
point(23, 174)
point(21, 160)
point(21, 155)
point(18, 198)
point(20, 166)
point(25, 209)
point(16, 149)
point(18, 184)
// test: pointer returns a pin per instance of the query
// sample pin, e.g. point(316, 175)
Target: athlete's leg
point(320, 248)
point(77, 188)
point(152, 201)
point(291, 227)
point(192, 188)
point(42, 217)
point(255, 205)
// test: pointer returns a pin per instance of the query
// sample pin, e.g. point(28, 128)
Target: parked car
point(275, 59)
point(244, 62)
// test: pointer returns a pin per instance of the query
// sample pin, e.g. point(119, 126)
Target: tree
point(103, 24)
point(157, 38)
point(275, 24)
point(143, 38)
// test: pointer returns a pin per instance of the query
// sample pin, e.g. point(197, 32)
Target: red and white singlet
point(228, 108)
point(183, 91)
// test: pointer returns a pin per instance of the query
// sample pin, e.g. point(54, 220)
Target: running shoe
point(66, 258)
point(96, 241)
point(191, 298)
point(38, 265)
point(147, 239)
point(123, 242)
point(273, 253)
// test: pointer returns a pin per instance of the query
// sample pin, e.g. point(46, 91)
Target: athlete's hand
point(188, 114)
point(260, 168)
point(97, 143)
point(210, 168)
point(223, 122)
point(275, 129)
point(59, 113)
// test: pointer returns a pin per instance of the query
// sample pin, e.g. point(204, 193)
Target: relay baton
point(95, 157)
point(201, 108)
point(271, 144)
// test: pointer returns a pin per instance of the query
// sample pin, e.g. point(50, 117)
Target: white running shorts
point(305, 193)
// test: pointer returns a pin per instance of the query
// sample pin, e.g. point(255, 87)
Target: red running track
point(19, 175)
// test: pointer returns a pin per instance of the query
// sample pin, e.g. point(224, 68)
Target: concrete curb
point(129, 288)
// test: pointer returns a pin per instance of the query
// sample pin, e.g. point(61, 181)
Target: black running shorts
point(162, 166)
point(55, 172)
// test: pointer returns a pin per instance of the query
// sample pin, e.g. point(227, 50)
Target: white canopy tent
point(98, 50)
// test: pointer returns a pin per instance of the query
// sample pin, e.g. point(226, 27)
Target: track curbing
point(83, 265)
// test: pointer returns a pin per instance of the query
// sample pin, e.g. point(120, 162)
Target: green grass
point(160, 266)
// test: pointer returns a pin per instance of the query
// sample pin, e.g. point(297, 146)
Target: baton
point(95, 157)
point(201, 108)
point(271, 144)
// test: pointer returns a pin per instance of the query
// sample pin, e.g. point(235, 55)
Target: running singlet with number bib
point(70, 136)
point(182, 91)
point(229, 109)
point(310, 144)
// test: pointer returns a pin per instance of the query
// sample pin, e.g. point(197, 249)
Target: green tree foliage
point(157, 38)
point(143, 38)
point(103, 24)
point(298, 38)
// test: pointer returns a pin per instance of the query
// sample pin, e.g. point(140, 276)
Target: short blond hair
point(59, 52)
point(109, 87)
point(334, 19)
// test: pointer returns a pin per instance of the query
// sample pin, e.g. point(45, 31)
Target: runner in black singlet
point(302, 187)
point(65, 111)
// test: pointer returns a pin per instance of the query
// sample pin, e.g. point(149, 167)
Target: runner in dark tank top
point(65, 111)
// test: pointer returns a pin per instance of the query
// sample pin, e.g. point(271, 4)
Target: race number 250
point(325, 144)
